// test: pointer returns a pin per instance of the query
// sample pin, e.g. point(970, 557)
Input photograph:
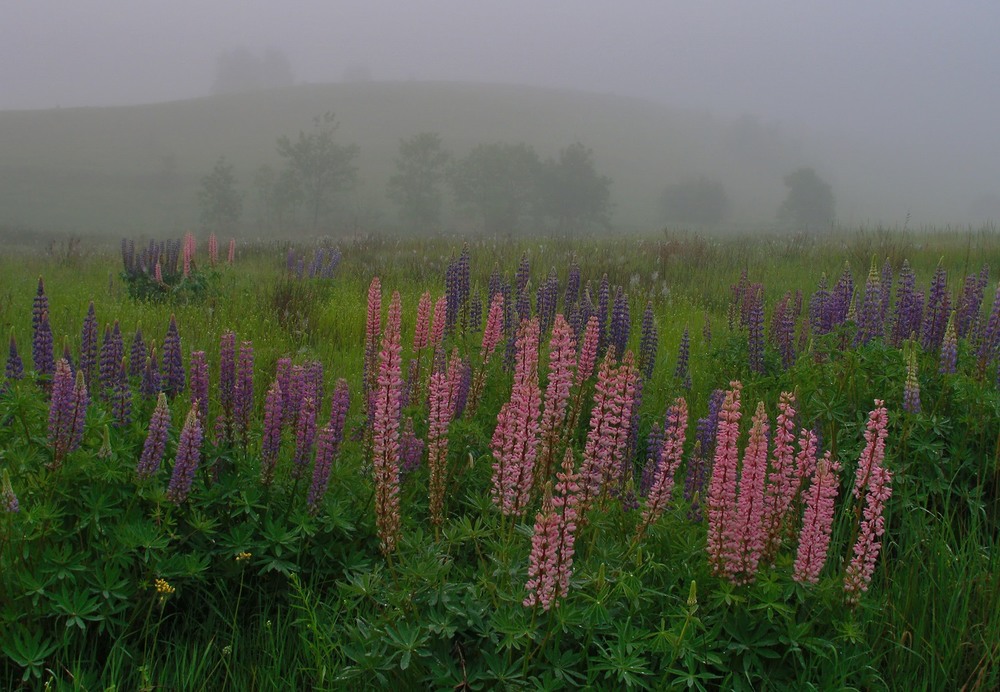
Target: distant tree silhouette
point(698, 201)
point(810, 203)
point(416, 185)
point(241, 69)
point(221, 203)
point(571, 192)
point(498, 181)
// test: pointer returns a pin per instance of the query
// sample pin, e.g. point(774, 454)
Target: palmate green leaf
point(28, 649)
point(77, 606)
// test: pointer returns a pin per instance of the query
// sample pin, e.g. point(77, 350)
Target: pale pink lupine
point(438, 323)
point(588, 351)
point(213, 249)
point(721, 501)
point(671, 454)
point(746, 525)
point(491, 337)
point(373, 327)
point(859, 571)
point(817, 522)
point(874, 451)
point(385, 440)
point(562, 361)
point(423, 327)
point(515, 439)
point(805, 460)
point(783, 481)
point(441, 410)
point(553, 543)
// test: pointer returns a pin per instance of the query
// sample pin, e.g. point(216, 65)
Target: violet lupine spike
point(722, 490)
point(859, 570)
point(671, 455)
point(439, 417)
point(411, 449)
point(326, 452)
point(199, 385)
point(938, 309)
point(911, 388)
point(8, 498)
point(156, 440)
point(817, 522)
point(88, 346)
point(621, 322)
point(14, 369)
point(948, 362)
point(187, 459)
point(243, 393)
point(462, 388)
point(783, 481)
point(908, 315)
point(67, 355)
point(747, 527)
point(841, 299)
point(112, 351)
point(385, 432)
point(284, 379)
point(41, 352)
point(373, 328)
point(516, 437)
point(989, 343)
point(870, 325)
point(136, 358)
point(81, 400)
point(61, 411)
point(545, 303)
point(522, 276)
point(151, 377)
point(562, 363)
point(873, 454)
point(885, 281)
point(173, 364)
point(121, 398)
point(227, 378)
point(40, 305)
point(271, 443)
point(737, 302)
point(681, 372)
point(819, 314)
point(572, 297)
point(305, 434)
point(783, 331)
point(648, 342)
point(755, 328)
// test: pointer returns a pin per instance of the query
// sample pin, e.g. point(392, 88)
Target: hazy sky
point(919, 75)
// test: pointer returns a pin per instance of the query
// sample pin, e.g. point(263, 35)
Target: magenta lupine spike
point(187, 459)
point(588, 351)
point(156, 440)
point(385, 433)
point(121, 398)
point(817, 522)
point(439, 417)
point(305, 434)
point(8, 498)
point(456, 372)
point(88, 346)
point(629, 397)
point(271, 444)
point(722, 486)
point(562, 362)
point(14, 369)
point(373, 328)
point(747, 525)
point(423, 326)
point(783, 481)
point(199, 385)
point(543, 560)
point(243, 393)
point(326, 451)
point(858, 574)
point(516, 437)
point(671, 454)
point(231, 256)
point(805, 460)
point(494, 329)
point(874, 451)
point(213, 249)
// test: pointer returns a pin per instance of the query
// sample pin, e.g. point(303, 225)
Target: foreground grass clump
point(486, 477)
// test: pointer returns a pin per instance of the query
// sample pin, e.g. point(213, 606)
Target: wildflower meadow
point(673, 462)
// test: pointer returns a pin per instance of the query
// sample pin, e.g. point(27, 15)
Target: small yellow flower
point(163, 587)
point(243, 556)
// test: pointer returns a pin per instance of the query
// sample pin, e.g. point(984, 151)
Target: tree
point(241, 69)
point(698, 201)
point(571, 192)
point(416, 185)
point(810, 202)
point(499, 182)
point(221, 203)
point(321, 167)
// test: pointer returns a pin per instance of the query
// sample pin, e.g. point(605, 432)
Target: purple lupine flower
point(284, 380)
point(948, 363)
point(603, 303)
point(546, 302)
point(572, 297)
point(39, 306)
point(783, 331)
point(173, 364)
point(15, 368)
point(621, 322)
point(654, 443)
point(156, 440)
point(411, 449)
point(649, 342)
point(271, 444)
point(68, 356)
point(243, 392)
point(67, 412)
point(886, 285)
point(305, 434)
point(819, 314)
point(989, 343)
point(699, 465)
point(755, 328)
point(681, 371)
point(460, 395)
point(476, 313)
point(112, 350)
point(88, 346)
point(909, 310)
point(227, 375)
point(199, 385)
point(841, 299)
point(150, 376)
point(870, 326)
point(737, 303)
point(187, 459)
point(523, 275)
point(938, 309)
point(326, 452)
point(137, 355)
point(8, 499)
point(587, 310)
point(121, 397)
point(970, 302)
point(41, 351)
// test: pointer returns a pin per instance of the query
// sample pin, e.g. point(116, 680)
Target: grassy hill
point(136, 169)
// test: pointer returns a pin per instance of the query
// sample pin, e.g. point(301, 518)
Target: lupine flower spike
point(817, 522)
point(385, 440)
point(188, 458)
point(156, 440)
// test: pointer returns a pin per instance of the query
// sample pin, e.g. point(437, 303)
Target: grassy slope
point(137, 168)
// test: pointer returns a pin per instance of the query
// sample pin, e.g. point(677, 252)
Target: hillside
point(136, 169)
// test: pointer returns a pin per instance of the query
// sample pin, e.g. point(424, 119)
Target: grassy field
point(109, 580)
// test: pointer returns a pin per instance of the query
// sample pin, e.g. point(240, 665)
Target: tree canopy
point(810, 202)
point(416, 185)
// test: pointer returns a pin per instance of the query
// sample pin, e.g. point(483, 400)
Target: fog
point(895, 103)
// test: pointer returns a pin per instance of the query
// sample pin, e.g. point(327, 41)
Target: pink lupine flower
point(605, 416)
point(373, 327)
point(565, 503)
point(543, 561)
point(423, 328)
point(494, 329)
point(438, 324)
point(783, 481)
point(158, 272)
point(156, 440)
point(440, 403)
point(746, 527)
point(866, 549)
point(671, 454)
point(562, 361)
point(588, 351)
point(874, 451)
point(385, 438)
point(516, 437)
point(817, 522)
point(271, 444)
point(231, 256)
point(187, 459)
point(721, 502)
point(805, 460)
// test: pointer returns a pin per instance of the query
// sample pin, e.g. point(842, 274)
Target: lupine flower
point(227, 379)
point(870, 318)
point(62, 414)
point(938, 309)
point(112, 351)
point(755, 328)
point(818, 312)
point(909, 307)
point(545, 303)
point(385, 438)
point(121, 397)
point(874, 451)
point(817, 522)
point(40, 305)
point(681, 372)
point(948, 363)
point(41, 352)
point(603, 302)
point(989, 343)
point(439, 417)
point(438, 323)
point(305, 434)
point(284, 379)
point(553, 542)
point(423, 328)
point(783, 481)
point(187, 459)
point(136, 358)
point(866, 549)
point(572, 296)
point(231, 256)
point(199, 385)
point(68, 355)
point(88, 346)
point(654, 445)
point(562, 362)
point(747, 527)
point(326, 452)
point(621, 322)
point(783, 331)
point(156, 440)
point(841, 299)
point(461, 384)
point(738, 301)
point(648, 343)
point(150, 376)
point(521, 279)
point(411, 449)
point(14, 369)
point(373, 327)
point(243, 392)
point(588, 351)
point(516, 436)
point(671, 455)
point(911, 388)
point(271, 444)
point(722, 546)
point(493, 330)
point(8, 499)
point(173, 365)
